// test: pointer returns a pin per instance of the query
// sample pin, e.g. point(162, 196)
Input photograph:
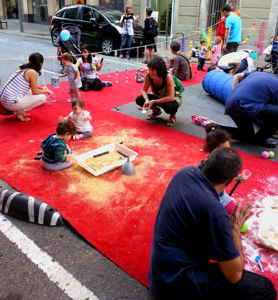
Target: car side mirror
point(93, 20)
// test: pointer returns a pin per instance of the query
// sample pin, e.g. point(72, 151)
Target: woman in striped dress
point(21, 92)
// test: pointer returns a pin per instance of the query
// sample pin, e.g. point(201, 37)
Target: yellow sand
point(103, 161)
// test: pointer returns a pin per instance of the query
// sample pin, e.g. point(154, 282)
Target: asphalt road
point(22, 279)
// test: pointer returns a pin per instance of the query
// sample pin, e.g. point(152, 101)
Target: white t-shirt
point(87, 69)
point(235, 56)
point(81, 125)
point(203, 52)
point(128, 25)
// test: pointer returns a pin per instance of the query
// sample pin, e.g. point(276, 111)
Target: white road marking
point(121, 61)
point(55, 272)
point(49, 72)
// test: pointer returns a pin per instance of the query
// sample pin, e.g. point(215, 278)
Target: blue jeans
point(245, 130)
point(57, 166)
point(86, 134)
point(202, 62)
point(242, 66)
point(174, 74)
point(126, 41)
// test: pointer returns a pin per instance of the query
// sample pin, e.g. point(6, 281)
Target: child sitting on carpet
point(216, 51)
point(72, 72)
point(56, 152)
point(81, 119)
point(216, 138)
point(171, 63)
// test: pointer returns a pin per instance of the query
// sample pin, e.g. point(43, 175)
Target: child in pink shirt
point(216, 50)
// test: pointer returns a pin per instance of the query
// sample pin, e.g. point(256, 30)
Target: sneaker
point(144, 62)
point(107, 83)
point(70, 100)
point(121, 56)
point(127, 57)
point(77, 137)
point(196, 120)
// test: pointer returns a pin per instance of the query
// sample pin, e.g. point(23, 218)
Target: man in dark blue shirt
point(192, 227)
point(254, 97)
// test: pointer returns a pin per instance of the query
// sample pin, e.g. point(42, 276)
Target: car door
point(87, 27)
point(102, 26)
point(70, 16)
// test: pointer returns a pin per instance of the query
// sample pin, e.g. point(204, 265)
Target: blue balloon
point(65, 35)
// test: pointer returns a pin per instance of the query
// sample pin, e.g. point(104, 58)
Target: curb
point(26, 35)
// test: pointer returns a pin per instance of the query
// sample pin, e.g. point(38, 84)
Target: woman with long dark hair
point(89, 67)
point(21, 92)
point(165, 92)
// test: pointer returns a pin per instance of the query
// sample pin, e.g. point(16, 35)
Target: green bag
point(178, 85)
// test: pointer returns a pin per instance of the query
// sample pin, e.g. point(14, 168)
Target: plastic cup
point(246, 174)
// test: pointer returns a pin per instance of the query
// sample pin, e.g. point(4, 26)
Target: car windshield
point(113, 16)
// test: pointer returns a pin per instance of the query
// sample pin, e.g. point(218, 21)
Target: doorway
point(61, 3)
point(214, 12)
point(165, 14)
point(12, 8)
point(40, 11)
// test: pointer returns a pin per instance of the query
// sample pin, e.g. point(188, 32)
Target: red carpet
point(115, 213)
point(47, 115)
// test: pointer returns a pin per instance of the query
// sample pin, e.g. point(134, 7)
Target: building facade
point(174, 16)
point(36, 11)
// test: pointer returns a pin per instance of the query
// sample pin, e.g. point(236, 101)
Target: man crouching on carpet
point(192, 227)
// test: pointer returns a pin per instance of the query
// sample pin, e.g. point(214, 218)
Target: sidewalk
point(32, 30)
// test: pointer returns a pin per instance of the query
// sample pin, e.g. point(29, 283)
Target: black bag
point(153, 32)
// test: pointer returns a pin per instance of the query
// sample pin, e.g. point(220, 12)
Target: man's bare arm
point(232, 269)
point(235, 64)
point(227, 34)
point(237, 79)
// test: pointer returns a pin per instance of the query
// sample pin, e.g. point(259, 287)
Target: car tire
point(107, 46)
point(55, 37)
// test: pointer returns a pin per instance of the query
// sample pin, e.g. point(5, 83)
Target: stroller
point(72, 45)
point(271, 57)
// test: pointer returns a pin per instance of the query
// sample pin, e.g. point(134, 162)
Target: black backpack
point(153, 32)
